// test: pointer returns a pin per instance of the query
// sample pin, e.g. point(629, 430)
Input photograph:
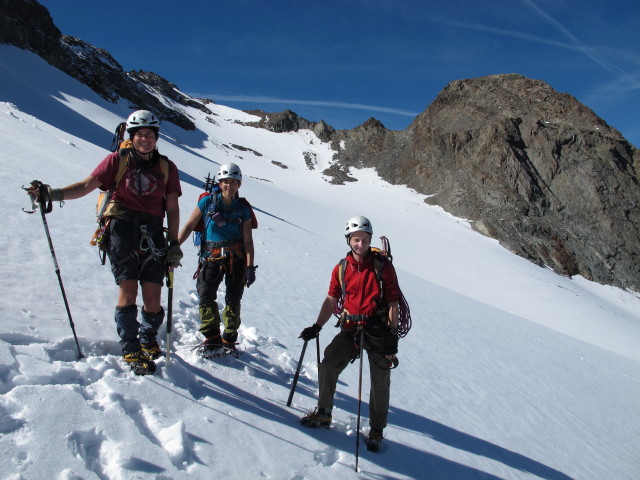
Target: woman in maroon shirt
point(137, 247)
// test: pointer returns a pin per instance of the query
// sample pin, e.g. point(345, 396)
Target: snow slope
point(510, 371)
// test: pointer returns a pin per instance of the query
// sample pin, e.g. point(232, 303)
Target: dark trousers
point(209, 279)
point(337, 356)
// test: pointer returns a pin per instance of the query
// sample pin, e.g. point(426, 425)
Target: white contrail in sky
point(318, 103)
point(573, 43)
point(576, 42)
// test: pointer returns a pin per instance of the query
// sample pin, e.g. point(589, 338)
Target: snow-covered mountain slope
point(509, 371)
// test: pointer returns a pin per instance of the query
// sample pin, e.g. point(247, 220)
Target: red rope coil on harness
point(404, 319)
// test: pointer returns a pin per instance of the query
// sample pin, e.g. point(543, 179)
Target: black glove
point(174, 254)
point(390, 345)
point(250, 275)
point(44, 196)
point(311, 332)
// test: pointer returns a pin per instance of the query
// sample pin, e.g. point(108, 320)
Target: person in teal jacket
point(227, 254)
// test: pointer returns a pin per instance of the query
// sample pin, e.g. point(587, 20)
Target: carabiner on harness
point(146, 244)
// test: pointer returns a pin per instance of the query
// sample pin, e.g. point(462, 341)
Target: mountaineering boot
point(374, 440)
point(151, 350)
point(140, 363)
point(229, 341)
point(211, 347)
point(319, 418)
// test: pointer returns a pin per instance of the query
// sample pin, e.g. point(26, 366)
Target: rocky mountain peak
point(527, 165)
point(494, 97)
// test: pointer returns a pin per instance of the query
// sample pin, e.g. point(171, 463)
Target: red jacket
point(362, 294)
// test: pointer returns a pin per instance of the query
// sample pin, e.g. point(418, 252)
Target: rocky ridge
point(28, 25)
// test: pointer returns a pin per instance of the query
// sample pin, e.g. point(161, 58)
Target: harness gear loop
point(359, 334)
point(221, 252)
point(146, 244)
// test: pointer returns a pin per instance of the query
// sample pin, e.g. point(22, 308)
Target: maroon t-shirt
point(140, 189)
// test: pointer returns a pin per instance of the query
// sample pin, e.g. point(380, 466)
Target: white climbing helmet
point(358, 224)
point(142, 119)
point(230, 170)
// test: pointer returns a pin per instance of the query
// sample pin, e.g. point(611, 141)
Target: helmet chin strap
point(148, 157)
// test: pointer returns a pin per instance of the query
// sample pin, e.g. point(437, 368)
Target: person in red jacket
point(367, 308)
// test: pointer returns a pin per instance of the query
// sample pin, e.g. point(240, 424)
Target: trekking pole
point(318, 349)
point(169, 312)
point(297, 374)
point(40, 206)
point(359, 399)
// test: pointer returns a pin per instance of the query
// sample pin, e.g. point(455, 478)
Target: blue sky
point(345, 61)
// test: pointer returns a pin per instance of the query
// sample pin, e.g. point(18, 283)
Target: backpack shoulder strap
point(378, 265)
point(379, 261)
point(125, 151)
point(212, 198)
point(123, 164)
point(342, 265)
point(213, 203)
point(105, 205)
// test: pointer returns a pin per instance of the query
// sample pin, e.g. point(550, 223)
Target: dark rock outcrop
point(28, 25)
point(288, 121)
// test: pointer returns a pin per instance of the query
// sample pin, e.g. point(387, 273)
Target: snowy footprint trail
point(116, 425)
point(197, 416)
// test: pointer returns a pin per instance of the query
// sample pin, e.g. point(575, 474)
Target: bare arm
point(191, 224)
point(247, 236)
point(80, 189)
point(326, 310)
point(173, 215)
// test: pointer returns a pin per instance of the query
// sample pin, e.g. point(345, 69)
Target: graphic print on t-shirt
point(141, 182)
